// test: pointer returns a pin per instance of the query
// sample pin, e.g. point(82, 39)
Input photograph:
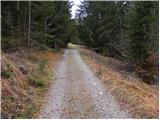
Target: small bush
point(42, 64)
point(6, 74)
point(36, 80)
point(8, 98)
point(148, 70)
point(30, 111)
point(32, 58)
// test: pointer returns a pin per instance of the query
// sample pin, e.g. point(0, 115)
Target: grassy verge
point(42, 77)
point(132, 94)
point(25, 82)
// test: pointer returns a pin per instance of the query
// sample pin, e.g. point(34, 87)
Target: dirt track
point(77, 93)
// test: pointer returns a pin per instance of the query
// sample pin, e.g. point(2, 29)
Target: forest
point(35, 24)
point(125, 30)
point(35, 34)
point(121, 29)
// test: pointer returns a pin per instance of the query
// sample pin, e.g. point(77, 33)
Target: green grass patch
point(36, 80)
point(42, 65)
point(39, 77)
point(8, 98)
point(6, 74)
point(28, 114)
point(82, 53)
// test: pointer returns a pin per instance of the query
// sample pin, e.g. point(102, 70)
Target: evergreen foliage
point(122, 29)
point(49, 24)
point(127, 30)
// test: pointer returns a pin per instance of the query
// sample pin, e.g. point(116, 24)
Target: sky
point(76, 3)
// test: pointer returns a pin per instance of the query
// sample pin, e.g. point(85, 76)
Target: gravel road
point(77, 93)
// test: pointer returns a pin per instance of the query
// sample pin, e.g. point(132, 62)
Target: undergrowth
point(133, 95)
point(23, 92)
point(7, 71)
point(6, 74)
point(38, 78)
point(42, 65)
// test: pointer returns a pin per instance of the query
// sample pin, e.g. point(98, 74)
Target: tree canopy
point(127, 30)
point(49, 24)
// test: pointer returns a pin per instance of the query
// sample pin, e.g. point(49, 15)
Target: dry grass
point(50, 67)
point(20, 99)
point(140, 99)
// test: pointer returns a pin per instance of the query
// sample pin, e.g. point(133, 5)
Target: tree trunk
point(45, 30)
point(55, 46)
point(24, 28)
point(18, 27)
point(29, 25)
point(121, 29)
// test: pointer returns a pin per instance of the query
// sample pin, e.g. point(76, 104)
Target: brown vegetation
point(20, 97)
point(149, 69)
point(132, 93)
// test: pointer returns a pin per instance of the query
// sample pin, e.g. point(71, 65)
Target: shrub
point(32, 58)
point(36, 80)
point(6, 74)
point(148, 69)
point(42, 64)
